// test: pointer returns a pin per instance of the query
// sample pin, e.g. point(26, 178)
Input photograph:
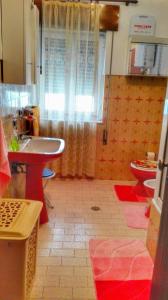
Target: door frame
point(159, 288)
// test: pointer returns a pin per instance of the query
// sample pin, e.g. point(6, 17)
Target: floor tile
point(54, 292)
point(74, 261)
point(64, 269)
point(62, 252)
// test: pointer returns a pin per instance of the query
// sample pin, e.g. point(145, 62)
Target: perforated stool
point(48, 174)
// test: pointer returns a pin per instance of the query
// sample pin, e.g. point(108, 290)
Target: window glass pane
point(84, 103)
point(55, 63)
point(55, 101)
point(58, 92)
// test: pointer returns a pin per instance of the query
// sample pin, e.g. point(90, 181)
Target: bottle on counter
point(14, 145)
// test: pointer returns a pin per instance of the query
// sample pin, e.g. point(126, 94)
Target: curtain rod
point(127, 2)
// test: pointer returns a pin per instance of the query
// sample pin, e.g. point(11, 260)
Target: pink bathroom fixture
point(35, 152)
point(150, 187)
point(143, 170)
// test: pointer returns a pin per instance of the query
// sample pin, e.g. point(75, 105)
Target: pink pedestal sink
point(35, 153)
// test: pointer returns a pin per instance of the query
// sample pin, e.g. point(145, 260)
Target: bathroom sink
point(43, 145)
point(37, 149)
point(35, 152)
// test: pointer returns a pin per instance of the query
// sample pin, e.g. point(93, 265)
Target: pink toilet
point(143, 170)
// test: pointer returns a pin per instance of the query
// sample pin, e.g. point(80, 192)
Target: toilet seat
point(145, 169)
point(144, 164)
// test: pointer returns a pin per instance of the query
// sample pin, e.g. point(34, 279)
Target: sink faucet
point(22, 136)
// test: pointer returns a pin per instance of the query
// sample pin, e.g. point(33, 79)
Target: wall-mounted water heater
point(148, 56)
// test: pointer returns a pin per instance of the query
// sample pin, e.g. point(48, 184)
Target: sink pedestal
point(34, 188)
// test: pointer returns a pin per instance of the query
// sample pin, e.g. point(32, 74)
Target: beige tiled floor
point(64, 269)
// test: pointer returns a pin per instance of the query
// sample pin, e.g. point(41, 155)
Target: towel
point(5, 173)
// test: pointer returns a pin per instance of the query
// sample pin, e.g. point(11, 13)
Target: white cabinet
point(18, 46)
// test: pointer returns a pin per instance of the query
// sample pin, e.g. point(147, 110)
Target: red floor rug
point(135, 215)
point(122, 269)
point(123, 290)
point(130, 193)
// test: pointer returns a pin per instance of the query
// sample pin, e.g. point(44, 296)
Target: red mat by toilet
point(130, 193)
point(122, 269)
point(123, 290)
point(135, 215)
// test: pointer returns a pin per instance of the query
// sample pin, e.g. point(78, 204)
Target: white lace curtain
point(71, 98)
point(73, 62)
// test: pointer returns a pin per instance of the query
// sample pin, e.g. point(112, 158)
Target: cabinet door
point(17, 41)
point(28, 42)
point(0, 43)
point(0, 33)
point(37, 46)
point(35, 40)
point(13, 45)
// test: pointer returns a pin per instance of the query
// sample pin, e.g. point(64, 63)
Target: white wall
point(156, 8)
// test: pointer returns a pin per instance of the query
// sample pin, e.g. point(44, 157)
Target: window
point(15, 97)
point(60, 91)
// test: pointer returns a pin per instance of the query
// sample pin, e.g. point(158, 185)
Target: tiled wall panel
point(134, 123)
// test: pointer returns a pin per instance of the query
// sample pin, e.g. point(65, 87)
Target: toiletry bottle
point(14, 146)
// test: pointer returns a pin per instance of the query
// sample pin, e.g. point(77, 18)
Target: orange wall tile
point(134, 123)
